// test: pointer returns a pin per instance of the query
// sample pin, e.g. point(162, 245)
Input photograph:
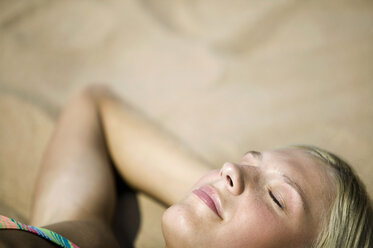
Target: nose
point(233, 177)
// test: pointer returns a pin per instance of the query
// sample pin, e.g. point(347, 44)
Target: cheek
point(252, 225)
point(255, 225)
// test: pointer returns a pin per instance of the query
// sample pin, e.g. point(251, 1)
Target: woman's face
point(269, 199)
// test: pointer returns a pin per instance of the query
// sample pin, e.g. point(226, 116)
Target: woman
point(290, 197)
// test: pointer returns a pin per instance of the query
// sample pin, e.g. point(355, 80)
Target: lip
point(211, 198)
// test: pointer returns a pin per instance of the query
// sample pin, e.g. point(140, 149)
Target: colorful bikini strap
point(8, 223)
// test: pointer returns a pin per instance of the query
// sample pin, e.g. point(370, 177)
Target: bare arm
point(75, 191)
point(148, 158)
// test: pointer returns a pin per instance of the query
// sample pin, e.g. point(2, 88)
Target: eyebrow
point(297, 188)
point(256, 154)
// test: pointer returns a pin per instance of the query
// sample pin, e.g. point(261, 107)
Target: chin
point(180, 226)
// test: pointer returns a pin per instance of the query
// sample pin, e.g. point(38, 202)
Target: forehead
point(296, 161)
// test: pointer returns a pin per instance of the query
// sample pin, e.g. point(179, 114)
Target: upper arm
point(76, 179)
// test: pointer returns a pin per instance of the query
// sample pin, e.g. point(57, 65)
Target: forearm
point(148, 158)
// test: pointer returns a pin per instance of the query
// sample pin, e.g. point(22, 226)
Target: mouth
point(211, 198)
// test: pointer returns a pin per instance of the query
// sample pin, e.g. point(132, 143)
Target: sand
point(224, 77)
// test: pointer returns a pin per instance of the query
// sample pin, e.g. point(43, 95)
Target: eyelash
point(275, 200)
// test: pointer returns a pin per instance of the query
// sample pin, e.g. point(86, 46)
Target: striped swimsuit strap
point(8, 223)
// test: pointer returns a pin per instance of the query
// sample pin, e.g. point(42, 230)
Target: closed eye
point(275, 199)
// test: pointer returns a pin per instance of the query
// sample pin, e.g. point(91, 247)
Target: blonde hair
point(350, 221)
